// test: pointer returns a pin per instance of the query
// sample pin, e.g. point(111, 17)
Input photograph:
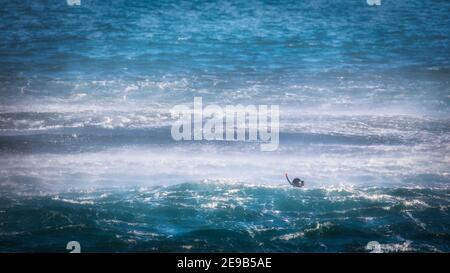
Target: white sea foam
point(290, 236)
point(397, 247)
point(72, 201)
point(141, 165)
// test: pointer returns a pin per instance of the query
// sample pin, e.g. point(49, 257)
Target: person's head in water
point(296, 182)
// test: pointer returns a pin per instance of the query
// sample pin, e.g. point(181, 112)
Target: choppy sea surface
point(224, 217)
point(85, 147)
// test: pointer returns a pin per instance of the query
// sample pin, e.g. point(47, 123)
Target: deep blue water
point(219, 217)
point(85, 146)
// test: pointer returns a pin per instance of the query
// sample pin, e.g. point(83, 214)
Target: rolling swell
point(222, 217)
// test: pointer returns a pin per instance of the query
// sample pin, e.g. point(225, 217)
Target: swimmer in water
point(296, 182)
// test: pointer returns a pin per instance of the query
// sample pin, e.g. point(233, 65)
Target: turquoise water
point(86, 152)
point(217, 217)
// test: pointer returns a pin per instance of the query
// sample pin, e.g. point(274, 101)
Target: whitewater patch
point(72, 201)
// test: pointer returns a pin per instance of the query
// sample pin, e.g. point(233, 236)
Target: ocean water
point(85, 147)
point(224, 217)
